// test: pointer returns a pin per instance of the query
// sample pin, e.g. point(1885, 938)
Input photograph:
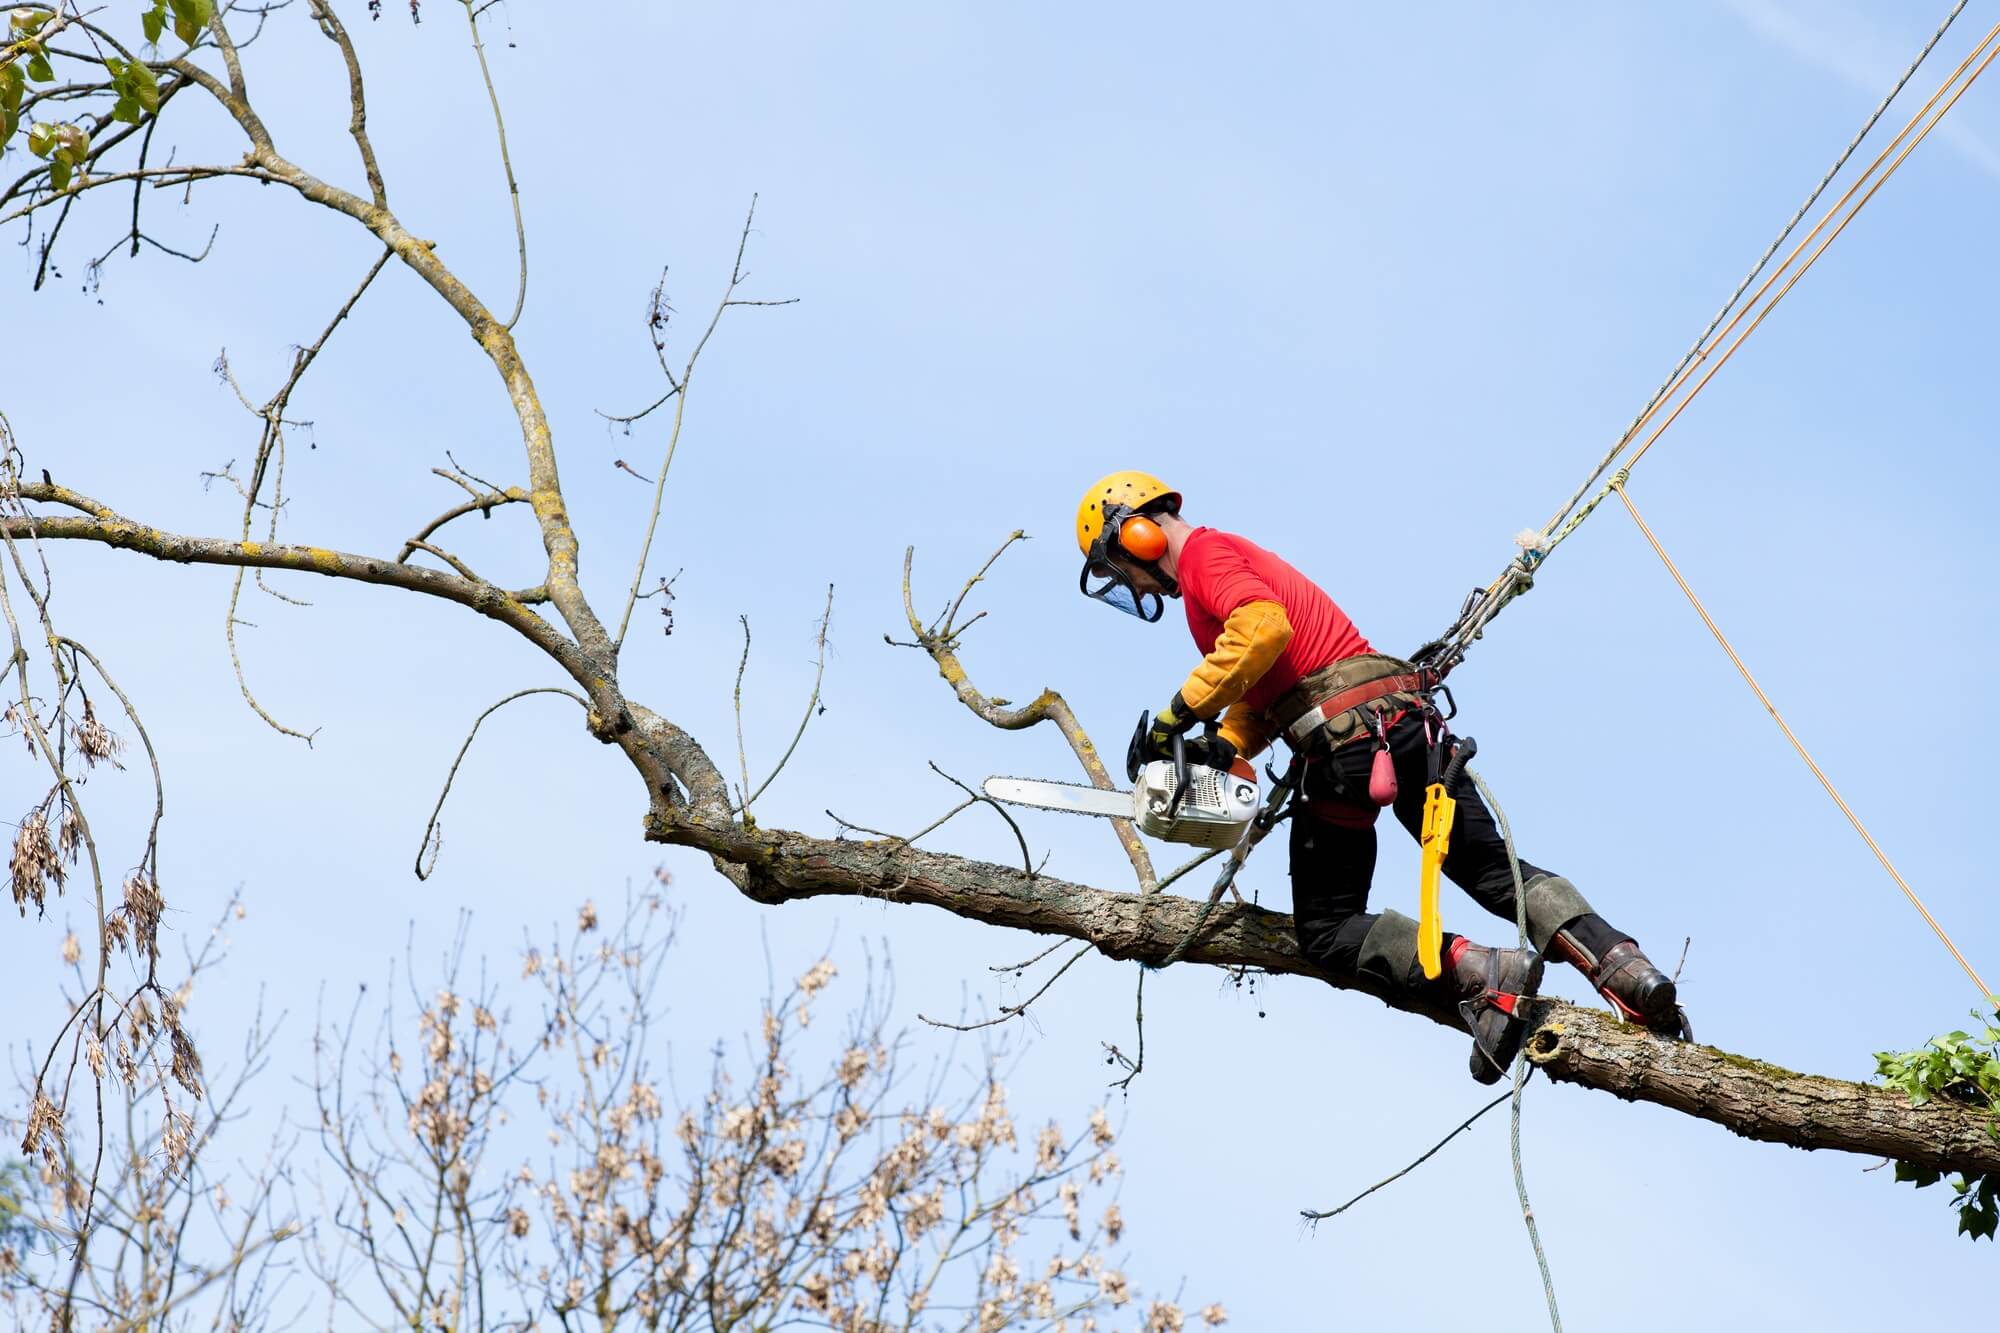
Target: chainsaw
point(1171, 799)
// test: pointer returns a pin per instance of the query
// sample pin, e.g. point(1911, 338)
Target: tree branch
point(940, 641)
point(1570, 1044)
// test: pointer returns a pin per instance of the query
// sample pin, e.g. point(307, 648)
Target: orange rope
point(1618, 485)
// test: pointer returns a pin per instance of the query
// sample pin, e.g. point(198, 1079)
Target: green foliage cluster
point(134, 86)
point(1963, 1068)
point(190, 17)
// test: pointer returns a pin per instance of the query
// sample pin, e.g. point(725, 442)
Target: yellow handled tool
point(1439, 811)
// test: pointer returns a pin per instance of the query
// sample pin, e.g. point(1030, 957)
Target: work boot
point(1492, 984)
point(1636, 990)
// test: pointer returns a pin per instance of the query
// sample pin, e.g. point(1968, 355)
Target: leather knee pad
point(1389, 950)
point(1553, 903)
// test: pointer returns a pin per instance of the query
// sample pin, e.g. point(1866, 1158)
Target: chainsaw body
point(1214, 806)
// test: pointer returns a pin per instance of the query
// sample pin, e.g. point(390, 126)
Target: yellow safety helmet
point(1113, 531)
point(1133, 490)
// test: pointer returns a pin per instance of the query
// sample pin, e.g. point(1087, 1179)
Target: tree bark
point(1571, 1044)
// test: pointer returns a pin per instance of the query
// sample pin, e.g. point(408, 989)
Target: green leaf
point(12, 82)
point(154, 22)
point(1920, 1176)
point(39, 68)
point(41, 138)
point(10, 121)
point(72, 141)
point(188, 20)
point(145, 85)
point(59, 174)
point(116, 66)
point(126, 109)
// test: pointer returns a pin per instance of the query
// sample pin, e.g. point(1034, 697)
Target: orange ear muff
point(1142, 538)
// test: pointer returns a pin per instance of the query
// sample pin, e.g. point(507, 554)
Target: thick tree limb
point(1588, 1047)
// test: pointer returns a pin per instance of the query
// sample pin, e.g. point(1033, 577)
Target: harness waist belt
point(1299, 731)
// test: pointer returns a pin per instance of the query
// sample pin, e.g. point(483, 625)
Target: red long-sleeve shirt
point(1220, 572)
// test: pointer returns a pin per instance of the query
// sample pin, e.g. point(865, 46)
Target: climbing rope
point(1521, 1066)
point(1800, 272)
point(1696, 348)
point(1518, 577)
point(1618, 485)
point(1485, 603)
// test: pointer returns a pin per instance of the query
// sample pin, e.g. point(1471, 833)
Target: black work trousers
point(1333, 863)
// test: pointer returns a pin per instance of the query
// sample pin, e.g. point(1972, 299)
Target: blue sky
point(1370, 284)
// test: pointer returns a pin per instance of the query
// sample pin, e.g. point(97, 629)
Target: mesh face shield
point(1106, 578)
point(1104, 581)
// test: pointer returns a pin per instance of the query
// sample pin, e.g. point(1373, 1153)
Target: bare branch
point(812, 704)
point(1009, 1012)
point(940, 643)
point(1137, 1064)
point(506, 162)
point(1312, 1215)
point(678, 392)
point(480, 504)
point(431, 827)
point(1027, 858)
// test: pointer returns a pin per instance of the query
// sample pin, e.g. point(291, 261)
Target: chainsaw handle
point(1182, 779)
point(1135, 749)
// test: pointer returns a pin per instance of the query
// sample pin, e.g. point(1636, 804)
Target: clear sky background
point(1373, 285)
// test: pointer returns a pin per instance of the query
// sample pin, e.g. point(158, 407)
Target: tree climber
point(1283, 659)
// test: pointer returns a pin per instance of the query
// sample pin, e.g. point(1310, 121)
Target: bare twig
point(742, 759)
point(813, 708)
point(1312, 1215)
point(934, 825)
point(1009, 1012)
point(271, 459)
point(940, 642)
point(1135, 1066)
point(678, 392)
point(506, 162)
point(1028, 963)
point(1194, 863)
point(1027, 857)
point(430, 828)
point(483, 505)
